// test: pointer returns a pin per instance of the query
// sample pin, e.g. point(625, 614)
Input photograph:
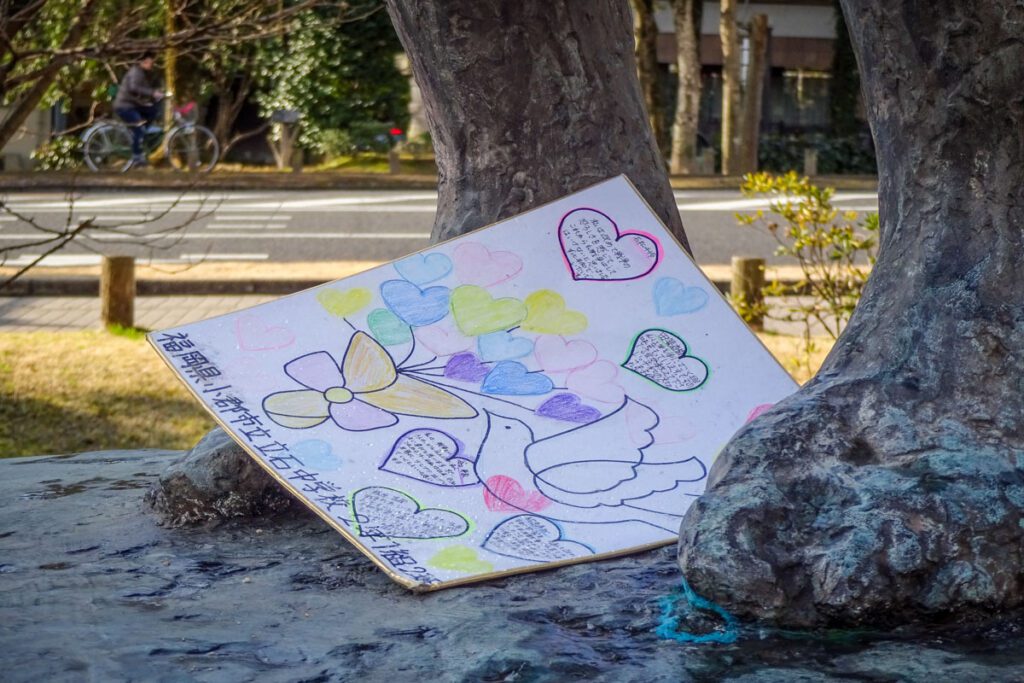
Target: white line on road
point(259, 236)
point(224, 257)
point(234, 217)
point(247, 226)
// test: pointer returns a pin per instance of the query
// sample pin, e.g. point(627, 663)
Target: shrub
point(59, 154)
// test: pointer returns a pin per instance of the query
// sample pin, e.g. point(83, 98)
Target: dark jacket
point(134, 90)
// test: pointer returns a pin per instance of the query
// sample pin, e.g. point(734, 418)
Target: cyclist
point(137, 102)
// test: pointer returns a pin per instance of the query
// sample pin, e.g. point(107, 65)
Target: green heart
point(343, 303)
point(387, 328)
point(459, 558)
point(476, 312)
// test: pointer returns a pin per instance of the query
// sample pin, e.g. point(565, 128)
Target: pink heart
point(555, 354)
point(475, 264)
point(255, 335)
point(596, 381)
point(505, 494)
point(442, 339)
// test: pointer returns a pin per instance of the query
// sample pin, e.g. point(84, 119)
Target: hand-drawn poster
point(550, 389)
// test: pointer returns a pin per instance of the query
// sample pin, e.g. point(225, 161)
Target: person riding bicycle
point(137, 103)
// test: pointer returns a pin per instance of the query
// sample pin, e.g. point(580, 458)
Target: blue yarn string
point(686, 601)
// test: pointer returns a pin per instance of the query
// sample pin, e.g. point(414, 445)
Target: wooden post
point(810, 162)
point(117, 291)
point(747, 285)
point(394, 162)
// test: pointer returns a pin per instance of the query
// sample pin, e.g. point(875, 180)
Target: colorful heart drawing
point(672, 297)
point(758, 411)
point(430, 456)
point(503, 346)
point(596, 381)
point(533, 538)
point(421, 269)
point(594, 249)
point(341, 303)
point(546, 314)
point(386, 328)
point(510, 378)
point(441, 339)
point(569, 408)
point(252, 334)
point(316, 454)
point(555, 354)
point(417, 307)
point(459, 558)
point(475, 264)
point(476, 312)
point(390, 512)
point(663, 358)
point(466, 367)
point(505, 494)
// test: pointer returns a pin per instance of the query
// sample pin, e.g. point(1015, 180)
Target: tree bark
point(891, 487)
point(729, 34)
point(645, 35)
point(528, 102)
point(750, 115)
point(687, 117)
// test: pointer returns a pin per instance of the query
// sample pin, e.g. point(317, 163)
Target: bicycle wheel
point(108, 147)
point(193, 148)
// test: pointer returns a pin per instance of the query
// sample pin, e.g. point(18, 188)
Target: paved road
point(318, 225)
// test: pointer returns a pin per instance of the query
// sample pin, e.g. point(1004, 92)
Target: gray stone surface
point(93, 588)
point(215, 480)
point(891, 487)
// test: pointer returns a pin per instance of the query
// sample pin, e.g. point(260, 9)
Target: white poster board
point(547, 390)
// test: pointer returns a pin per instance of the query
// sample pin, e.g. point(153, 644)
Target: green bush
point(847, 154)
point(59, 154)
point(834, 250)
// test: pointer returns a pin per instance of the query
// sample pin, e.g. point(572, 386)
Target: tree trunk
point(750, 117)
point(645, 35)
point(28, 101)
point(891, 487)
point(684, 127)
point(170, 64)
point(528, 102)
point(729, 34)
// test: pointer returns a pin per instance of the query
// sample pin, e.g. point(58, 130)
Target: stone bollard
point(117, 291)
point(747, 285)
point(810, 162)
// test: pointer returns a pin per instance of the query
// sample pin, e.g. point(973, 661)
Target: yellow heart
point(546, 314)
point(459, 558)
point(477, 312)
point(343, 303)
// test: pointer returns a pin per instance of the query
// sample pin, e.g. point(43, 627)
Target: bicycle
point(107, 145)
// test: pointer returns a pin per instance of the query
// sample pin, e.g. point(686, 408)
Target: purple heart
point(568, 407)
point(465, 366)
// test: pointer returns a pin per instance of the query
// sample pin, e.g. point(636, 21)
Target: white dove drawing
point(606, 471)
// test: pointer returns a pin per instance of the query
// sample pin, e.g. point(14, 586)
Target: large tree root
point(851, 504)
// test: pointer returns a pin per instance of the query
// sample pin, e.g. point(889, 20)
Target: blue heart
point(672, 297)
point(512, 379)
point(503, 346)
point(417, 307)
point(316, 454)
point(420, 269)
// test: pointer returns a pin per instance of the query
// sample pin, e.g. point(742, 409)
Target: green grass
point(76, 391)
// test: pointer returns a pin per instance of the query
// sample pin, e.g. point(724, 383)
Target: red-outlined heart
point(594, 249)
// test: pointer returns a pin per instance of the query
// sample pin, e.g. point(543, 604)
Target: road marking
point(223, 257)
point(246, 226)
point(56, 260)
point(261, 236)
point(271, 217)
